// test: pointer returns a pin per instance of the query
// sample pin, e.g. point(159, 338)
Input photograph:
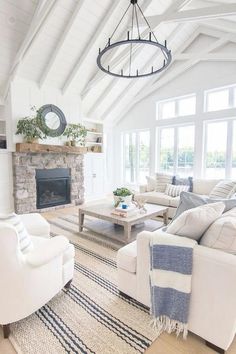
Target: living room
point(118, 176)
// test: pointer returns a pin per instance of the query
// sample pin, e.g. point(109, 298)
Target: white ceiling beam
point(92, 42)
point(41, 13)
point(176, 6)
point(206, 13)
point(57, 50)
point(208, 57)
point(173, 74)
point(222, 25)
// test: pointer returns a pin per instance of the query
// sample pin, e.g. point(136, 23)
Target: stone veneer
point(24, 182)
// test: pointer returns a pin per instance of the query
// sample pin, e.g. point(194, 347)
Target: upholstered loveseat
point(200, 186)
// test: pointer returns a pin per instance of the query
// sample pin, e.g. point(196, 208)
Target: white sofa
point(200, 186)
point(29, 280)
point(213, 300)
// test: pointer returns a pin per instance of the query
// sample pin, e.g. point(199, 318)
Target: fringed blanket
point(170, 275)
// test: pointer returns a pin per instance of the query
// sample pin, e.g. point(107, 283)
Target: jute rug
point(92, 317)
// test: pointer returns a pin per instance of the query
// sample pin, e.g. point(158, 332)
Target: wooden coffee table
point(104, 212)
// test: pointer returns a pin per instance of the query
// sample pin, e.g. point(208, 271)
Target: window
point(176, 107)
point(136, 156)
point(177, 150)
point(221, 98)
point(216, 144)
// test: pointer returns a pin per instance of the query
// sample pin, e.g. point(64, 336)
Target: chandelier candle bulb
point(150, 36)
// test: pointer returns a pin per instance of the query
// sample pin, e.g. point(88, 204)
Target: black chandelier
point(132, 40)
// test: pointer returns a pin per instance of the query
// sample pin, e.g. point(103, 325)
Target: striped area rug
point(92, 317)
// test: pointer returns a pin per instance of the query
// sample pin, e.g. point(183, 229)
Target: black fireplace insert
point(53, 187)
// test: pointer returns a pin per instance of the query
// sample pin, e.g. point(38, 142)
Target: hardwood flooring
point(165, 344)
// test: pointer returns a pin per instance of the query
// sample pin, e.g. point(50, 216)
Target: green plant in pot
point(122, 194)
point(76, 133)
point(28, 127)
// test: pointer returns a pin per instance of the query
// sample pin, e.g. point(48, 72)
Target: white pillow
point(151, 183)
point(162, 179)
point(23, 236)
point(223, 190)
point(194, 222)
point(221, 234)
point(174, 191)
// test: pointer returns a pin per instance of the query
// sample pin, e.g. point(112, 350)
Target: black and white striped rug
point(92, 317)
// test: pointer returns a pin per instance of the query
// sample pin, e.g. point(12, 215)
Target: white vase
point(127, 200)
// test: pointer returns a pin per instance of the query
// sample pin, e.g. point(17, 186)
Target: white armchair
point(29, 280)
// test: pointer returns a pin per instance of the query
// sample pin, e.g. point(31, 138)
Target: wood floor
point(165, 344)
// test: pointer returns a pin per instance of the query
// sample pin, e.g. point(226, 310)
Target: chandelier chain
point(119, 24)
point(137, 21)
point(148, 24)
point(131, 45)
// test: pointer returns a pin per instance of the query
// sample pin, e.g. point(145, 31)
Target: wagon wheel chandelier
point(133, 72)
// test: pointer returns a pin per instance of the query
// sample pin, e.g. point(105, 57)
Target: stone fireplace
point(57, 179)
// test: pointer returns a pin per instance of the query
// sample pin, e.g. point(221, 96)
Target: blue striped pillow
point(23, 236)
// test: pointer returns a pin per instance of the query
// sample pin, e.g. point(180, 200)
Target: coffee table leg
point(165, 217)
point(127, 231)
point(81, 220)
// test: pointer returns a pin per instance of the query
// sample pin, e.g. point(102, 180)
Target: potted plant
point(75, 133)
point(28, 127)
point(123, 195)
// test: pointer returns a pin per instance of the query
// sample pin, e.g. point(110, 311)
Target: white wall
point(203, 76)
point(26, 94)
point(23, 95)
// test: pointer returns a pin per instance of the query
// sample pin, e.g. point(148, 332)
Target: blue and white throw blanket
point(170, 280)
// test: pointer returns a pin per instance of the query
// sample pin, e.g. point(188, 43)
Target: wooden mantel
point(42, 148)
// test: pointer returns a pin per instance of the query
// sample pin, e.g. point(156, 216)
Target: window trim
point(176, 143)
point(229, 88)
point(176, 102)
point(137, 141)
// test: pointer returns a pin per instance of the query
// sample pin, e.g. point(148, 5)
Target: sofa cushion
point(23, 236)
point(127, 257)
point(223, 190)
point(222, 233)
point(158, 198)
point(190, 200)
point(174, 191)
point(151, 183)
point(35, 224)
point(183, 181)
point(194, 222)
point(204, 186)
point(162, 180)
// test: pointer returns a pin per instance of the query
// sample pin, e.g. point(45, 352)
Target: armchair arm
point(49, 250)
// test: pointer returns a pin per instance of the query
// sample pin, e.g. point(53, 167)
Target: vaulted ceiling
point(55, 43)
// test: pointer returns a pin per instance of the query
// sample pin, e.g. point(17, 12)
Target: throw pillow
point(222, 234)
point(183, 181)
point(194, 222)
point(174, 191)
point(151, 183)
point(191, 200)
point(23, 236)
point(162, 180)
point(223, 190)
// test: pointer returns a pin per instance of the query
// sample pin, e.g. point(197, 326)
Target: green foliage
point(28, 126)
point(122, 192)
point(76, 132)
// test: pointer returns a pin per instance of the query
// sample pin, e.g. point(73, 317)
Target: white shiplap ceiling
point(55, 43)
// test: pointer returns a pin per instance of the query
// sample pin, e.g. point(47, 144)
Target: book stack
point(125, 213)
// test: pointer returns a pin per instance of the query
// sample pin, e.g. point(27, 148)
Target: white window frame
point(229, 144)
point(230, 89)
point(176, 102)
point(137, 141)
point(176, 144)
